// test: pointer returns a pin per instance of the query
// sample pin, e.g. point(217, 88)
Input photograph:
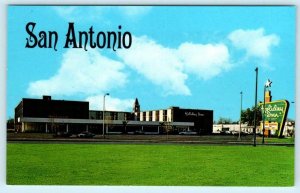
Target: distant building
point(50, 116)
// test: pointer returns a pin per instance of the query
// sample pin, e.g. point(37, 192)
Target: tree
point(223, 120)
point(10, 124)
point(248, 116)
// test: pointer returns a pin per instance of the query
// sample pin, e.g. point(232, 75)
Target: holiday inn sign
point(275, 112)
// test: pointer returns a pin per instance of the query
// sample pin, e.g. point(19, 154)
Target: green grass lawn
point(119, 164)
point(276, 140)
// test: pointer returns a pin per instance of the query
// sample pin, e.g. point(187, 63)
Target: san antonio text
point(81, 39)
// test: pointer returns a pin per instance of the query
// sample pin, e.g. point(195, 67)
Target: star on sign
point(268, 83)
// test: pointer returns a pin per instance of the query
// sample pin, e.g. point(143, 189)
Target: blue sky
point(188, 56)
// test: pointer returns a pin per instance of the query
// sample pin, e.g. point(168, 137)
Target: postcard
point(151, 95)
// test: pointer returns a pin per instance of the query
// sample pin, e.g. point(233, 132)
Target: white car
point(234, 132)
point(86, 134)
point(187, 133)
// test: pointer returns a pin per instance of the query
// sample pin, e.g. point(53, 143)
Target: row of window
point(159, 115)
point(110, 115)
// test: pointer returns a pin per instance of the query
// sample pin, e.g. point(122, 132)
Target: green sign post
point(275, 111)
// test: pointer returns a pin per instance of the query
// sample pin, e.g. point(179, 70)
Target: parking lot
point(117, 138)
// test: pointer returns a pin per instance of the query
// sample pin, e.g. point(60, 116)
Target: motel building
point(51, 116)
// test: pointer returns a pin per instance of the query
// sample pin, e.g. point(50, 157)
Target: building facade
point(38, 115)
point(200, 121)
point(51, 116)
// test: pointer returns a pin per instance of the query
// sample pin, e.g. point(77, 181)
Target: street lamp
point(255, 105)
point(239, 139)
point(267, 85)
point(103, 117)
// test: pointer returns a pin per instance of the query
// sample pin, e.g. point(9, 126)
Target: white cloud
point(90, 73)
point(81, 72)
point(255, 42)
point(112, 104)
point(169, 68)
point(158, 64)
point(206, 61)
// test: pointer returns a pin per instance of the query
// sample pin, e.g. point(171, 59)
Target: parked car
point(139, 132)
point(86, 134)
point(187, 133)
point(62, 134)
point(235, 133)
